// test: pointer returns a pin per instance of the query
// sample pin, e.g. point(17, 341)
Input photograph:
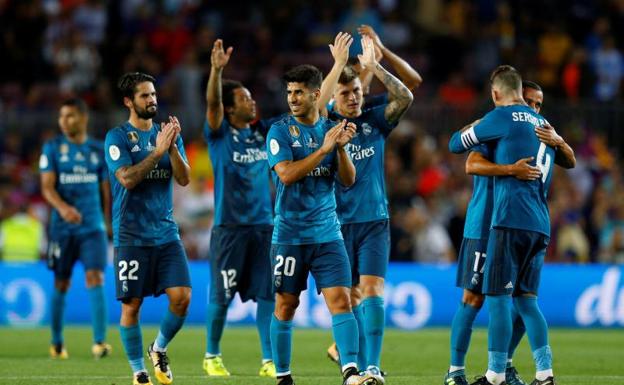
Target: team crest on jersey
point(294, 131)
point(94, 158)
point(133, 136)
point(311, 143)
point(64, 149)
point(367, 129)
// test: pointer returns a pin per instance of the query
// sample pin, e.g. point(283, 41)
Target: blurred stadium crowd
point(53, 49)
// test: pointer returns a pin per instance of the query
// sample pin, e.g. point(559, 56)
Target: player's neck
point(346, 114)
point(237, 122)
point(141, 124)
point(78, 138)
point(308, 119)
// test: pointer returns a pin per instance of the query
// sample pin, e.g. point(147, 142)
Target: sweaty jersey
point(365, 200)
point(479, 212)
point(511, 129)
point(305, 211)
point(79, 168)
point(241, 173)
point(142, 216)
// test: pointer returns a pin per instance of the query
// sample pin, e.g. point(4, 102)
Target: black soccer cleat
point(482, 380)
point(285, 380)
point(549, 381)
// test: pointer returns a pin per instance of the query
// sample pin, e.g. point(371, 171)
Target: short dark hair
point(306, 74)
point(530, 84)
point(127, 82)
point(227, 91)
point(353, 61)
point(77, 103)
point(507, 76)
point(347, 75)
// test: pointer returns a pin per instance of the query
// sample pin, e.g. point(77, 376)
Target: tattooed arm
point(399, 96)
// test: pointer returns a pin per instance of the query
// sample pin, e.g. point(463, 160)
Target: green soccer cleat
point(101, 350)
point(161, 365)
point(141, 378)
point(512, 377)
point(268, 370)
point(214, 367)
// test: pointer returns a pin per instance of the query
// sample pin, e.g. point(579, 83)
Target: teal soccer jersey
point(518, 204)
point(241, 172)
point(142, 216)
point(365, 200)
point(305, 211)
point(479, 212)
point(79, 168)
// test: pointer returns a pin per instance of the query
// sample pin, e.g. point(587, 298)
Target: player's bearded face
point(147, 112)
point(144, 102)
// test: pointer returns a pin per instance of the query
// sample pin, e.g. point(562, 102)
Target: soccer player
point(520, 227)
point(74, 182)
point(363, 207)
point(306, 153)
point(143, 158)
point(476, 231)
point(241, 236)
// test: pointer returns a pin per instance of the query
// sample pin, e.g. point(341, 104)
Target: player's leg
point(512, 377)
point(227, 256)
point(93, 255)
point(499, 277)
point(133, 281)
point(525, 300)
point(358, 312)
point(257, 285)
point(332, 273)
point(132, 339)
point(373, 255)
point(289, 276)
point(173, 278)
point(61, 258)
point(470, 264)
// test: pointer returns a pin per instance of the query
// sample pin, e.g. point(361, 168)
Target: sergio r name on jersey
point(511, 129)
point(142, 216)
point(305, 211)
point(79, 168)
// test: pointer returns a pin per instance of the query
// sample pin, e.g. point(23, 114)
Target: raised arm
point(478, 164)
point(131, 176)
point(564, 154)
point(48, 189)
point(290, 171)
point(346, 169)
point(218, 60)
point(399, 96)
point(340, 53)
point(408, 75)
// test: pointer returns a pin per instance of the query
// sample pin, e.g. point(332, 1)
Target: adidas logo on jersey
point(296, 144)
point(509, 285)
point(136, 148)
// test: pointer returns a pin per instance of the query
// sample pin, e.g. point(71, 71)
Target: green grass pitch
point(582, 357)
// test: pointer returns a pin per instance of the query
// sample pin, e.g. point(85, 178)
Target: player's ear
point(127, 102)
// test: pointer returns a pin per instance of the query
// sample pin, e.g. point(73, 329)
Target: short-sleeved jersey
point(365, 200)
point(142, 216)
point(517, 204)
point(305, 211)
point(241, 172)
point(479, 213)
point(79, 169)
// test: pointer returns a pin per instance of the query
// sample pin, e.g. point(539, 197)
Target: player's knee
point(130, 308)
point(339, 304)
point(179, 304)
point(372, 286)
point(62, 285)
point(473, 299)
point(356, 295)
point(285, 307)
point(94, 278)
